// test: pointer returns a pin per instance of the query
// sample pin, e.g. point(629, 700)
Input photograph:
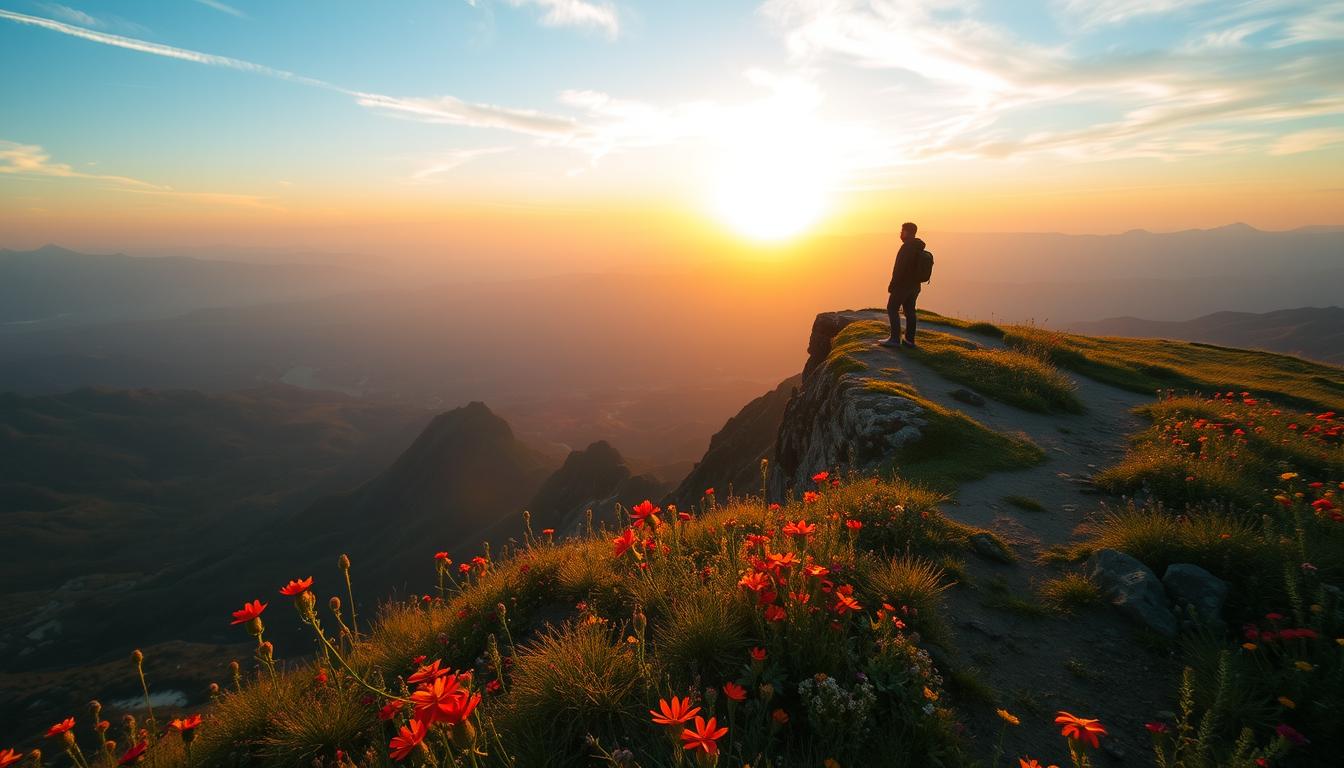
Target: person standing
point(904, 287)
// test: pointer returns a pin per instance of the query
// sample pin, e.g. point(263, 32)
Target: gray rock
point(968, 397)
point(1203, 593)
point(989, 547)
point(1134, 589)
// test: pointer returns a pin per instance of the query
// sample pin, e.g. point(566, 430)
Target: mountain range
point(1316, 333)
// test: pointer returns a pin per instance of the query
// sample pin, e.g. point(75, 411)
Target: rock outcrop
point(595, 478)
point(837, 419)
point(1198, 594)
point(733, 460)
point(1134, 589)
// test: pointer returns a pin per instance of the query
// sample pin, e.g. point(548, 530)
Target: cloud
point(450, 161)
point(574, 13)
point(32, 161)
point(223, 8)
point(453, 111)
point(1090, 14)
point(1307, 141)
point(72, 15)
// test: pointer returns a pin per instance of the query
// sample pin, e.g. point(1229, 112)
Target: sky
point(602, 130)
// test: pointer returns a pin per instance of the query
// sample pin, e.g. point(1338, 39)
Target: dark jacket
point(905, 272)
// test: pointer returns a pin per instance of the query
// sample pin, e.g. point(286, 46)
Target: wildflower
point(1249, 646)
point(757, 655)
point(820, 477)
point(644, 512)
point(1322, 505)
point(774, 507)
point(407, 739)
point(704, 736)
point(734, 692)
point(494, 686)
point(1079, 728)
point(133, 754)
point(321, 677)
point(621, 544)
point(775, 613)
point(930, 694)
point(754, 581)
point(390, 709)
point(1007, 717)
point(1031, 762)
point(464, 568)
point(674, 712)
point(60, 728)
point(816, 571)
point(427, 673)
point(846, 604)
point(799, 529)
point(9, 757)
point(250, 614)
point(548, 532)
point(1287, 702)
point(780, 716)
point(294, 588)
point(1291, 735)
point(709, 491)
point(1157, 727)
point(810, 496)
point(854, 525)
point(1288, 476)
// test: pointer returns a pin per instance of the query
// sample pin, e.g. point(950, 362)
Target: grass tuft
point(1069, 593)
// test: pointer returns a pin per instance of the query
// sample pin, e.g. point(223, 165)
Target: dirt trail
point(1093, 663)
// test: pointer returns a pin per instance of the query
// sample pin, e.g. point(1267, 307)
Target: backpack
point(925, 271)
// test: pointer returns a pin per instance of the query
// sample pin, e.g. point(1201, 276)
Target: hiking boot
point(909, 343)
point(890, 343)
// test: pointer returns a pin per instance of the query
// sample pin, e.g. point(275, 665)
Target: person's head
point(908, 230)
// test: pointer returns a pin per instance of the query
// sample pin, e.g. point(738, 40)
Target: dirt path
point(1092, 664)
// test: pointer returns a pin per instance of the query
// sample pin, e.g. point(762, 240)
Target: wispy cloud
point(453, 111)
point(223, 8)
point(105, 22)
point(1307, 141)
point(454, 159)
point(574, 13)
point(32, 161)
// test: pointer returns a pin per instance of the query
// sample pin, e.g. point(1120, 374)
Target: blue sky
point(294, 106)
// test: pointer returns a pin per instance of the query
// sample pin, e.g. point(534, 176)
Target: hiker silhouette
point(906, 275)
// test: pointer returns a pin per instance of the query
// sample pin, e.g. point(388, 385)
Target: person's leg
point(908, 307)
point(893, 308)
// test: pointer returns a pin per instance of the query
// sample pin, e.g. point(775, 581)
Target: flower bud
point(214, 689)
point(464, 734)
point(639, 620)
point(255, 627)
point(343, 562)
point(95, 709)
point(137, 657)
point(110, 746)
point(266, 651)
point(334, 604)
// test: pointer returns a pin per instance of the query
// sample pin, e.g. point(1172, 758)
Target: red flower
point(1322, 505)
point(799, 529)
point(133, 754)
point(820, 477)
point(321, 677)
point(757, 654)
point(9, 757)
point(674, 712)
point(61, 727)
point(704, 736)
point(1157, 727)
point(442, 701)
point(249, 612)
point(853, 525)
point(390, 709)
point(1079, 728)
point(780, 716)
point(185, 724)
point(755, 581)
point(734, 692)
point(427, 673)
point(443, 556)
point(775, 613)
point(295, 588)
point(547, 531)
point(407, 739)
point(621, 544)
point(774, 506)
point(810, 496)
point(846, 604)
point(709, 491)
point(645, 511)
point(464, 568)
point(1291, 735)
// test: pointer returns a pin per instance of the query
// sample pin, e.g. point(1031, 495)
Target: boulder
point(1133, 588)
point(1196, 591)
point(990, 548)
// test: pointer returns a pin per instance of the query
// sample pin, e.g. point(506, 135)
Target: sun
point(769, 192)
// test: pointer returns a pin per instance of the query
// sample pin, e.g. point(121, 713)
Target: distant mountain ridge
point(1316, 333)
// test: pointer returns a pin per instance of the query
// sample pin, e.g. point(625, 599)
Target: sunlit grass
point(1010, 376)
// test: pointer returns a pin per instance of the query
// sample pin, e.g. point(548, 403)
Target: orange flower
point(407, 739)
point(780, 716)
point(184, 724)
point(734, 692)
point(441, 700)
point(775, 613)
point(621, 544)
point(755, 581)
point(1031, 762)
point(704, 736)
point(294, 588)
point(1079, 728)
point(820, 477)
point(674, 712)
point(9, 757)
point(799, 529)
point(431, 671)
point(853, 525)
point(249, 612)
point(810, 496)
point(61, 727)
point(133, 754)
point(645, 511)
point(443, 556)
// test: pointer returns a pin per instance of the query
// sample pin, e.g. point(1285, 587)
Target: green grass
point(1024, 502)
point(1010, 376)
point(1069, 593)
point(1150, 365)
point(852, 339)
point(975, 326)
point(953, 447)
